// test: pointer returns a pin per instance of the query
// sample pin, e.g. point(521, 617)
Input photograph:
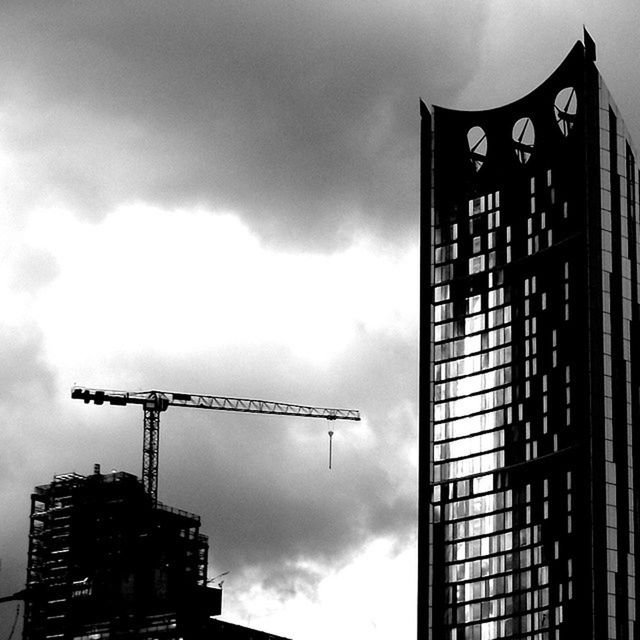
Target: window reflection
point(477, 140)
point(490, 561)
point(565, 108)
point(523, 137)
point(472, 404)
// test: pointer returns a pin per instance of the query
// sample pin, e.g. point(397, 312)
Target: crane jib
point(161, 400)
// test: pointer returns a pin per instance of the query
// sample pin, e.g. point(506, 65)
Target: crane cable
point(330, 446)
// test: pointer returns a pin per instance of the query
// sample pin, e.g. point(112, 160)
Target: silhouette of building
point(106, 562)
point(223, 630)
point(530, 366)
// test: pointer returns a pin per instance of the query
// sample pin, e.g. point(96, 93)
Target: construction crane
point(155, 402)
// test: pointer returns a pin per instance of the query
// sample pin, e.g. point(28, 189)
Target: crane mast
point(154, 402)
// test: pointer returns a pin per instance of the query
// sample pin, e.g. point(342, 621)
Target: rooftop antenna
point(224, 573)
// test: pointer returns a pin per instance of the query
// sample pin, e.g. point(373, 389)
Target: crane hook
point(330, 446)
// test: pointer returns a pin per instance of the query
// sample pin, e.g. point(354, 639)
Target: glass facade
point(529, 386)
point(619, 290)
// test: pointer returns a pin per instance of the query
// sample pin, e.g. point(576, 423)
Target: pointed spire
point(589, 45)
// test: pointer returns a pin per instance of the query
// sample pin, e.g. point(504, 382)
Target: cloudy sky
point(222, 197)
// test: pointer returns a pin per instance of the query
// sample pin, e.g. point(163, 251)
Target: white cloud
point(372, 597)
point(147, 280)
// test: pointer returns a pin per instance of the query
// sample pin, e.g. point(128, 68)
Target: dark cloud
point(302, 115)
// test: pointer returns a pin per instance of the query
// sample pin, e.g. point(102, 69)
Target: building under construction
point(107, 561)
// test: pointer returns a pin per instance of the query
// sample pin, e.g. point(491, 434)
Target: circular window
point(524, 135)
point(477, 139)
point(565, 108)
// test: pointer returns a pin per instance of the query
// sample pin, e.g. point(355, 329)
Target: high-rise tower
point(530, 366)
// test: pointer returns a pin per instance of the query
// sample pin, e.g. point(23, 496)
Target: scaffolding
point(104, 561)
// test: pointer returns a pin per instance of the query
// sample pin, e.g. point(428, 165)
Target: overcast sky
point(222, 197)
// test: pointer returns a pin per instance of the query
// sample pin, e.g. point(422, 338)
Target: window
point(564, 108)
point(477, 139)
point(524, 136)
point(476, 265)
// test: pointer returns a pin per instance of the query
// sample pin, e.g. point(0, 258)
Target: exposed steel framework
point(150, 452)
point(106, 562)
point(153, 402)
